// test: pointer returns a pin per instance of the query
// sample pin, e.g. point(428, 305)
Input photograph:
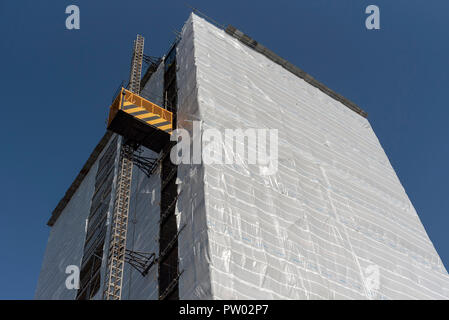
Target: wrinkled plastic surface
point(193, 244)
point(66, 241)
point(320, 227)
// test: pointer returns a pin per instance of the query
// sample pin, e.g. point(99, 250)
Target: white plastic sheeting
point(334, 221)
point(66, 241)
point(193, 245)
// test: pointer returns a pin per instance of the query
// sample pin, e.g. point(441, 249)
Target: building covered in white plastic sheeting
point(332, 221)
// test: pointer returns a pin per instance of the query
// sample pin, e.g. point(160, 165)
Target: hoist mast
point(119, 221)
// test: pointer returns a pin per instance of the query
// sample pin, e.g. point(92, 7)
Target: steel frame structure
point(119, 226)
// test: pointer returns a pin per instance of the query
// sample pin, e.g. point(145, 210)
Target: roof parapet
point(245, 39)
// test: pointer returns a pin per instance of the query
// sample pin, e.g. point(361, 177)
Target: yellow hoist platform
point(140, 120)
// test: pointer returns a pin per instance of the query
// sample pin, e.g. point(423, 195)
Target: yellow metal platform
point(140, 120)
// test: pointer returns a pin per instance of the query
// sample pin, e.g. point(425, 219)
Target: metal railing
point(127, 96)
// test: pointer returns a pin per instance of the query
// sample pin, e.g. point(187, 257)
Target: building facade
point(331, 222)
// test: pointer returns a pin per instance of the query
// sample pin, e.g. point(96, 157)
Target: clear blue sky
point(57, 84)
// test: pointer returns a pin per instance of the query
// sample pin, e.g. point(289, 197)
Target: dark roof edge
point(292, 68)
point(79, 178)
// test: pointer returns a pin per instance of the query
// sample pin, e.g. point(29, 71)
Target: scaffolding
point(143, 123)
point(119, 226)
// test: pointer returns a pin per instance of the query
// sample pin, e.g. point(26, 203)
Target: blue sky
point(57, 84)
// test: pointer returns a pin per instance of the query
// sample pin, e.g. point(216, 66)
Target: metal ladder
point(136, 65)
point(119, 227)
point(117, 244)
